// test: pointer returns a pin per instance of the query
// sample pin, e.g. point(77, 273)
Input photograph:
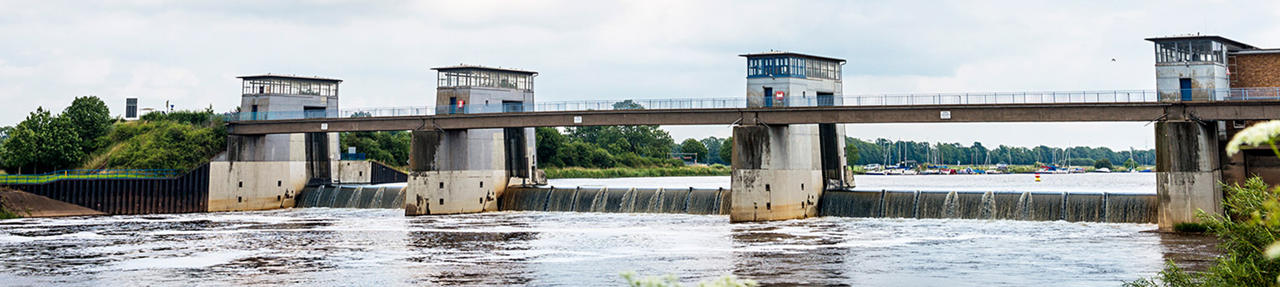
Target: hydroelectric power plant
point(473, 151)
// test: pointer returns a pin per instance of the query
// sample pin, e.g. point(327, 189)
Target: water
point(367, 247)
point(1085, 182)
point(381, 247)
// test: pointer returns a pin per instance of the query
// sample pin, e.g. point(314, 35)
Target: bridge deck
point(1057, 112)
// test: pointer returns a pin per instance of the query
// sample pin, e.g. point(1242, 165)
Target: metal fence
point(89, 174)
point(1052, 97)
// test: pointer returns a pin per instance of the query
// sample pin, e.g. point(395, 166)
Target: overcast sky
point(189, 52)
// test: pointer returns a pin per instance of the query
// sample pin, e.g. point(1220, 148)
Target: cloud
point(189, 52)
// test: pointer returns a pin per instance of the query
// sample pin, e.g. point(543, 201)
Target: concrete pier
point(1186, 171)
point(457, 171)
point(777, 173)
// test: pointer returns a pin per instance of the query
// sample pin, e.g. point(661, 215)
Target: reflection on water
point(343, 247)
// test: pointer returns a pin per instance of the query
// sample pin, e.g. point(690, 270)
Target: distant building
point(131, 108)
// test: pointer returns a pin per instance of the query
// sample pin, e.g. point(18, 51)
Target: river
point(381, 247)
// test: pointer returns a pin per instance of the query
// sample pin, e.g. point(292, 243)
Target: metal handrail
point(1048, 97)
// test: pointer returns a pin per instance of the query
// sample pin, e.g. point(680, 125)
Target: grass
point(43, 178)
point(1190, 227)
point(578, 172)
point(99, 160)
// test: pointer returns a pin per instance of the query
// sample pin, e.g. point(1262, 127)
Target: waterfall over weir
point(365, 196)
point(1037, 206)
point(617, 200)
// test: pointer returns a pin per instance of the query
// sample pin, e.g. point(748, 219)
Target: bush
point(1247, 229)
point(165, 145)
point(1102, 163)
point(1190, 227)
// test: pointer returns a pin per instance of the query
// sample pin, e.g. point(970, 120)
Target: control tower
point(1194, 68)
point(780, 171)
point(464, 171)
point(267, 171)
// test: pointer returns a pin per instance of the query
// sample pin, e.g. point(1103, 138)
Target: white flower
point(1254, 136)
point(1273, 250)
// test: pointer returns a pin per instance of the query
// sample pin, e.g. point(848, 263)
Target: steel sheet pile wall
point(617, 200)
point(186, 193)
point(380, 173)
point(1068, 206)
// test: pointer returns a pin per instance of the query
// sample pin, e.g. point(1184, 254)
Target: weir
point(352, 196)
point(983, 205)
point(617, 200)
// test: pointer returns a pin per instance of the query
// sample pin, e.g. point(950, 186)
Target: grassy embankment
point(159, 145)
point(578, 172)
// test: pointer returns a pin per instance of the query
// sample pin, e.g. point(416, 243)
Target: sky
point(189, 52)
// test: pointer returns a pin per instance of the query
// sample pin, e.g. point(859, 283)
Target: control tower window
point(792, 66)
point(1184, 51)
point(292, 86)
point(467, 78)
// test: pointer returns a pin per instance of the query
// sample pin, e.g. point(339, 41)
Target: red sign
point(461, 103)
point(778, 95)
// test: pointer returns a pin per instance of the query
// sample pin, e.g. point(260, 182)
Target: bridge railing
point(89, 174)
point(1051, 97)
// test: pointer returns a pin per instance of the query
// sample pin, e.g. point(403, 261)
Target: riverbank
point(578, 172)
point(16, 203)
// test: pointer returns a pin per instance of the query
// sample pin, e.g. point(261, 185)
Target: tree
point(42, 143)
point(713, 149)
point(851, 154)
point(627, 105)
point(4, 133)
point(387, 147)
point(726, 150)
point(695, 147)
point(1102, 163)
point(549, 141)
point(91, 120)
point(1130, 164)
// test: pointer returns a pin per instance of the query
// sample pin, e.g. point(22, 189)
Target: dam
point(1119, 207)
point(474, 150)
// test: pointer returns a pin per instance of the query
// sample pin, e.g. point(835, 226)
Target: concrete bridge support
point(267, 171)
point(778, 171)
point(464, 171)
point(1187, 161)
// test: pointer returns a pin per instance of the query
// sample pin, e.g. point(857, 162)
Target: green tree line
point(884, 151)
point(85, 135)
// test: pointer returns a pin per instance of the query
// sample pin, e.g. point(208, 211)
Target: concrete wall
point(1205, 77)
point(482, 99)
point(1186, 171)
point(456, 171)
point(286, 104)
point(777, 173)
point(260, 185)
point(353, 171)
point(801, 90)
point(1255, 70)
